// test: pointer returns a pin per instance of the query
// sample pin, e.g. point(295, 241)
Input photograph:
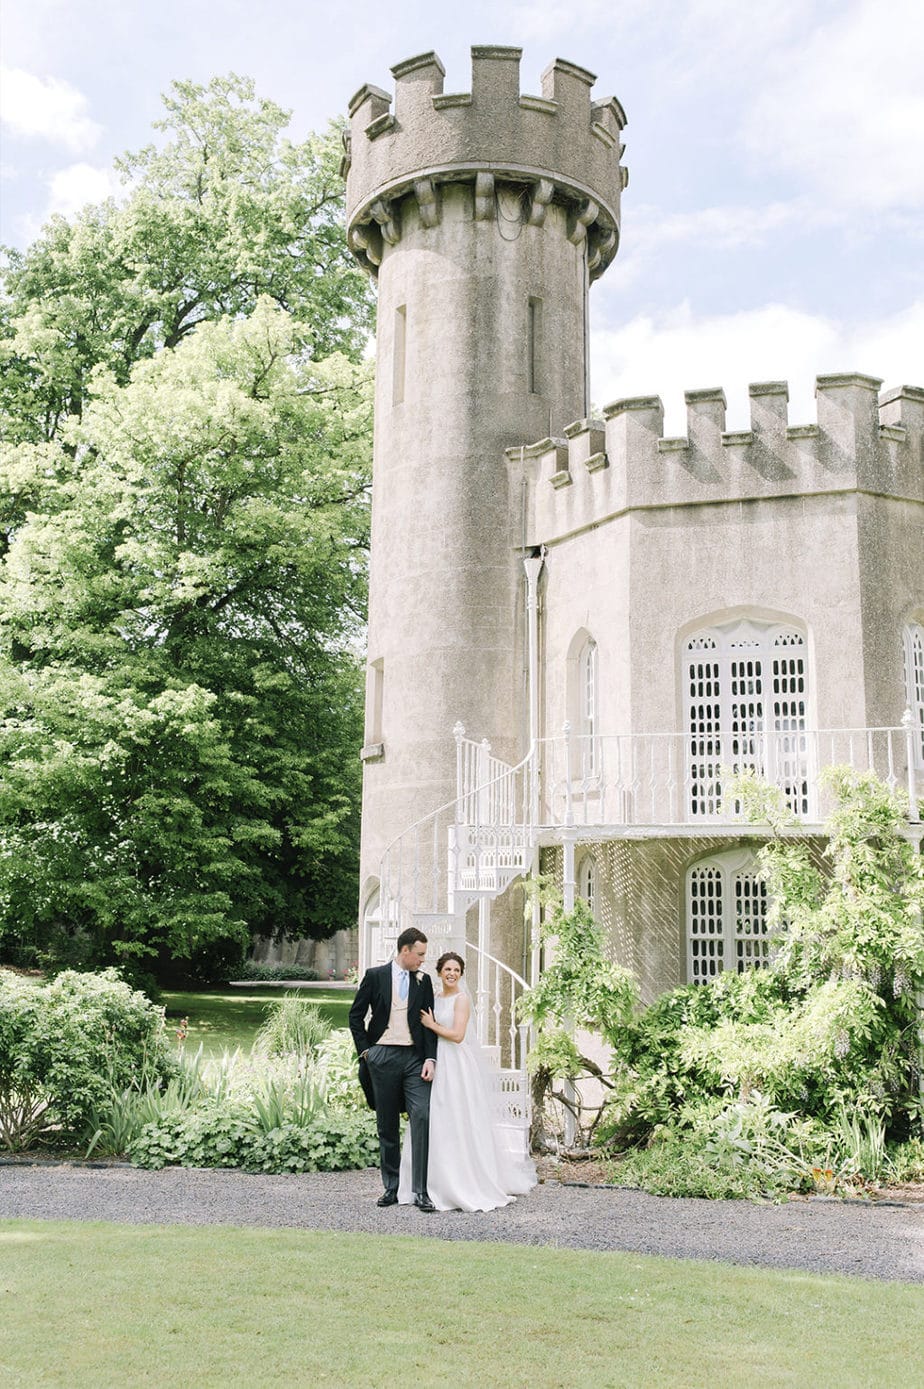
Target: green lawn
point(120, 1305)
point(229, 1018)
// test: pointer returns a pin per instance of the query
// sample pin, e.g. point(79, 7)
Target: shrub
point(114, 1125)
point(226, 1134)
point(276, 974)
point(263, 1113)
point(337, 1072)
point(65, 1046)
point(746, 1149)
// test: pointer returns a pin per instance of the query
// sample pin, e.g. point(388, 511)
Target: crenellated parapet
point(860, 441)
point(560, 147)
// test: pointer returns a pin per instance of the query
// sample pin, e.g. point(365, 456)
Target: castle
point(579, 628)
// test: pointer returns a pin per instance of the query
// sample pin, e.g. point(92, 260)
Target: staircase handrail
point(518, 1032)
point(447, 805)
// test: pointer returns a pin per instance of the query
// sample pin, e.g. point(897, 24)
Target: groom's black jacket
point(375, 992)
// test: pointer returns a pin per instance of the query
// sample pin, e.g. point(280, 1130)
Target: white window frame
point(746, 703)
point(726, 909)
point(587, 687)
point(913, 650)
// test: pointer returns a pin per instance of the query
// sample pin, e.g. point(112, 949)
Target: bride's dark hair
point(450, 955)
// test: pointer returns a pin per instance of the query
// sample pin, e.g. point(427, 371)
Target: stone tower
point(483, 216)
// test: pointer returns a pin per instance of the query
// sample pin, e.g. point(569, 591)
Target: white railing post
point(908, 726)
point(484, 909)
point(569, 801)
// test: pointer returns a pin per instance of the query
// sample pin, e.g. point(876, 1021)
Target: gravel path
point(872, 1241)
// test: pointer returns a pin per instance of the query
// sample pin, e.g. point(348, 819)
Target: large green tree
point(184, 491)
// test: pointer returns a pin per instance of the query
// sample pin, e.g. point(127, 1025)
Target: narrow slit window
point(399, 355)
point(533, 345)
point(375, 698)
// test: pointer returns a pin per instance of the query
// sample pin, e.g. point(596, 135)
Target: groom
point(401, 1056)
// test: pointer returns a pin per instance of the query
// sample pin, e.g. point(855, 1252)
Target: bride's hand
point(428, 1019)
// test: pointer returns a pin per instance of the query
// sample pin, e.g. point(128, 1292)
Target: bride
point(469, 1168)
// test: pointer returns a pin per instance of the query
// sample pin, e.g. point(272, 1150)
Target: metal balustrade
point(680, 781)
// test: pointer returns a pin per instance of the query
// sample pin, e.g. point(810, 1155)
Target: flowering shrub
point(66, 1045)
point(753, 1083)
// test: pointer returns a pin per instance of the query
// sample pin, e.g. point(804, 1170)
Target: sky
point(773, 226)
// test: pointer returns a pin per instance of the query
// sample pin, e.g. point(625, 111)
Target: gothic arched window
point(726, 916)
point(587, 707)
point(914, 685)
point(746, 709)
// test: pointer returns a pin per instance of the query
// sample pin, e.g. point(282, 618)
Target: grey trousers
point(398, 1086)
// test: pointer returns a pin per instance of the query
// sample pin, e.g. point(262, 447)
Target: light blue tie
point(402, 986)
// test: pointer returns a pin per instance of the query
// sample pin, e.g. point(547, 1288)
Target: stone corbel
point(428, 203)
point(600, 244)
point(384, 214)
point(367, 240)
point(484, 197)
point(541, 197)
point(580, 219)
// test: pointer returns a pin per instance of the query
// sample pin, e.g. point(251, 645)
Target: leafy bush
point(113, 1125)
point(65, 1046)
point(337, 1072)
point(758, 1080)
point(747, 1149)
point(276, 974)
point(832, 1026)
point(293, 1025)
point(227, 1133)
point(264, 1113)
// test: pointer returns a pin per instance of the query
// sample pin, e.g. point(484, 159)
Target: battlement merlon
point(560, 145)
point(861, 441)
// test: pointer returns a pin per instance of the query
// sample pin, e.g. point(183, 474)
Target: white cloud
point(541, 21)
point(72, 188)
point(47, 108)
point(843, 106)
point(723, 227)
point(671, 353)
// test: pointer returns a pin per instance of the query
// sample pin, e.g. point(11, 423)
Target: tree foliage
point(222, 212)
point(184, 509)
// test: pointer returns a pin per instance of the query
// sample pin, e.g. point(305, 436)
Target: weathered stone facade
point(790, 554)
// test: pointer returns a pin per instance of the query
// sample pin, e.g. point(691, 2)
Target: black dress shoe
point(423, 1203)
point(388, 1198)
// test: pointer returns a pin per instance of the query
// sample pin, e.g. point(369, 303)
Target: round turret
point(484, 217)
point(558, 147)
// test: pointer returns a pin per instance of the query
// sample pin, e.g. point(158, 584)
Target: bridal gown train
point(469, 1167)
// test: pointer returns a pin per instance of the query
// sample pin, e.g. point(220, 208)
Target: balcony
point(675, 784)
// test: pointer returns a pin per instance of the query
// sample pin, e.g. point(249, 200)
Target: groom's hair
point(409, 937)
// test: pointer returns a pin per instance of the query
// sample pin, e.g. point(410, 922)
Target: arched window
point(376, 949)
point(726, 916)
point(746, 709)
point(914, 685)
point(587, 708)
point(587, 883)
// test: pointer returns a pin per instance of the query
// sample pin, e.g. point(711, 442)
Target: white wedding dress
point(469, 1168)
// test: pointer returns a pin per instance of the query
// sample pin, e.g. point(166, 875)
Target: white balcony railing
point(674, 780)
